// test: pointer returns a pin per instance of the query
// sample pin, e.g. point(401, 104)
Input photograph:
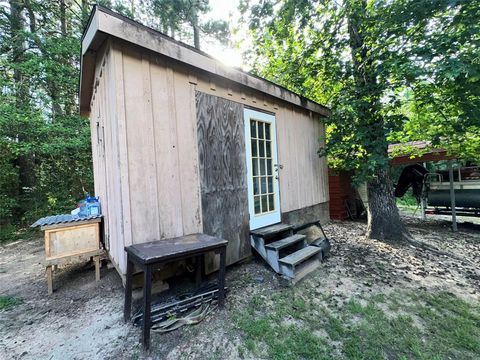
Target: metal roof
point(62, 219)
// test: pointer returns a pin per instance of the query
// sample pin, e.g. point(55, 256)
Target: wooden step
point(270, 231)
point(300, 255)
point(283, 243)
point(291, 264)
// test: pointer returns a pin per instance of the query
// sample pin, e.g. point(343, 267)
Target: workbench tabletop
point(160, 250)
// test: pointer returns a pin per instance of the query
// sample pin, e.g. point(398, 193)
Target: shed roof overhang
point(104, 23)
point(401, 154)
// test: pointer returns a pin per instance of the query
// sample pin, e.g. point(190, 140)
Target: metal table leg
point(221, 278)
point(127, 308)
point(198, 271)
point(147, 306)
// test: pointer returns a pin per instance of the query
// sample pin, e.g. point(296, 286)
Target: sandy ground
point(83, 318)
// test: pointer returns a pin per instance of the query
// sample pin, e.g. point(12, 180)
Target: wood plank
point(152, 164)
point(300, 255)
point(223, 173)
point(283, 243)
point(163, 250)
point(283, 154)
point(71, 240)
point(107, 154)
point(324, 167)
point(272, 230)
point(141, 154)
point(79, 255)
point(295, 143)
point(117, 254)
point(166, 149)
point(188, 153)
point(114, 215)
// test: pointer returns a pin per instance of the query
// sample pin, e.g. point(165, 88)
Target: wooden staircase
point(287, 253)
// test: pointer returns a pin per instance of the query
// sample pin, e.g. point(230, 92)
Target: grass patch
point(9, 233)
point(452, 326)
point(418, 325)
point(278, 333)
point(9, 302)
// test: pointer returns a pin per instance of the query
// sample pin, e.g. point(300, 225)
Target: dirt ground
point(83, 318)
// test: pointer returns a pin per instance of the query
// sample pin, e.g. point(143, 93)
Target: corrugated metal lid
point(62, 219)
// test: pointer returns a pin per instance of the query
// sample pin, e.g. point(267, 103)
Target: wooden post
point(198, 271)
point(422, 198)
point(49, 279)
point(452, 196)
point(97, 267)
point(221, 278)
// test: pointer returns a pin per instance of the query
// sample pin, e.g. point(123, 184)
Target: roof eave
point(104, 22)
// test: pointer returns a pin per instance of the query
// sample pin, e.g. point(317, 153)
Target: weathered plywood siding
point(304, 176)
point(223, 173)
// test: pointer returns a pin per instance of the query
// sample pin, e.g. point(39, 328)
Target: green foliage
point(407, 325)
point(45, 163)
point(45, 156)
point(9, 302)
point(361, 57)
point(283, 339)
point(182, 19)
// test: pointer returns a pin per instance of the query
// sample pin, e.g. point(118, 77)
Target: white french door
point(262, 169)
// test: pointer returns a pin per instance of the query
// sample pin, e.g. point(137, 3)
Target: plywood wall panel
point(223, 174)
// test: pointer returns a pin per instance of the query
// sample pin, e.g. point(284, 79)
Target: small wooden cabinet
point(71, 240)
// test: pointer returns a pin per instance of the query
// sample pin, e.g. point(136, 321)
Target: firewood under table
point(153, 255)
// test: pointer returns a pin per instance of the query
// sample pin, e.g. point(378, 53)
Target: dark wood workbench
point(153, 255)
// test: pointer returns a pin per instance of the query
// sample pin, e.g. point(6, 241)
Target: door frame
point(262, 220)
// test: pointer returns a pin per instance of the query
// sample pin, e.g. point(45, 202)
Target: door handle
point(278, 166)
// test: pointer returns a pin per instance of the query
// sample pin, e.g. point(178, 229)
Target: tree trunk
point(63, 18)
point(384, 221)
point(85, 7)
point(196, 30)
point(196, 37)
point(25, 162)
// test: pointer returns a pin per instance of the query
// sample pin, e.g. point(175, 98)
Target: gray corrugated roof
point(62, 219)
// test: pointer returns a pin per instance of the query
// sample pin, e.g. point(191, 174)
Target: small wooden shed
point(183, 144)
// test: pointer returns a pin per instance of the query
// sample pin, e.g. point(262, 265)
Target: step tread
point(300, 255)
point(271, 230)
point(280, 244)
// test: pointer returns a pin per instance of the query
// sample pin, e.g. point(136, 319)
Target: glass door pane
point(262, 166)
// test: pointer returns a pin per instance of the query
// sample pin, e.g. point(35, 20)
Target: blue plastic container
point(93, 205)
point(90, 206)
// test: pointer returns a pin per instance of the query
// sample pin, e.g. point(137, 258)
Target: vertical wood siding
point(147, 142)
point(223, 174)
point(106, 150)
